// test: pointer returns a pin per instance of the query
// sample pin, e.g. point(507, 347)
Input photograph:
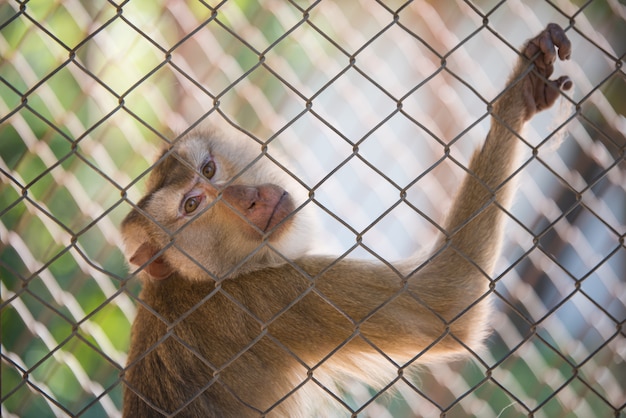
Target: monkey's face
point(214, 207)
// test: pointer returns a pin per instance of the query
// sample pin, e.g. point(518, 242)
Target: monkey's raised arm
point(475, 222)
point(443, 301)
point(227, 328)
point(487, 184)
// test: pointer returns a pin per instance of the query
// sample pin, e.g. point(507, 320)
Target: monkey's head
point(215, 207)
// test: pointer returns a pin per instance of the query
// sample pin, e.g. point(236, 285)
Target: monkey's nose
point(264, 206)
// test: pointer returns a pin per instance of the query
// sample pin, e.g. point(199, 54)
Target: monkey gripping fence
point(367, 101)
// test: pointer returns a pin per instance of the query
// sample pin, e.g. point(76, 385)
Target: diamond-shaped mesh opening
point(375, 109)
point(260, 87)
point(602, 371)
point(118, 46)
point(375, 105)
point(245, 23)
point(212, 56)
point(578, 400)
point(327, 151)
point(150, 19)
point(578, 255)
point(32, 40)
point(501, 402)
point(293, 56)
point(535, 389)
point(153, 98)
point(395, 77)
point(381, 195)
point(578, 347)
point(346, 26)
point(599, 284)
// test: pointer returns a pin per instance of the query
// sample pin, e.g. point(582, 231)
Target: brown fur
point(235, 320)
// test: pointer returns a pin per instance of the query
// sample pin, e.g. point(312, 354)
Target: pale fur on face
point(206, 245)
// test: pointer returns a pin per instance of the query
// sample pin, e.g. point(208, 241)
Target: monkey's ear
point(157, 269)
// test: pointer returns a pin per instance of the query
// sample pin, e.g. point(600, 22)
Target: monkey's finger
point(560, 40)
point(564, 82)
point(554, 36)
point(546, 45)
point(552, 91)
point(542, 52)
point(531, 49)
point(536, 50)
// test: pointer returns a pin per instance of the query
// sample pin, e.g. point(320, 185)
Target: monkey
point(236, 319)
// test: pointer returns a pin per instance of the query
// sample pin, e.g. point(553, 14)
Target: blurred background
point(360, 100)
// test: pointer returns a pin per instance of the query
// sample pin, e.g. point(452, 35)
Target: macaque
point(236, 320)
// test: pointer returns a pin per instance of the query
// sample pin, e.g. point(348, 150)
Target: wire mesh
point(361, 99)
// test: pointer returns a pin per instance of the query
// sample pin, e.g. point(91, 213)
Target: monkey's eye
point(191, 204)
point(208, 170)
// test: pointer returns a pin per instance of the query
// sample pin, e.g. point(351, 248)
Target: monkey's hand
point(539, 92)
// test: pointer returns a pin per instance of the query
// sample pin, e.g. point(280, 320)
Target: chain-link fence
point(90, 91)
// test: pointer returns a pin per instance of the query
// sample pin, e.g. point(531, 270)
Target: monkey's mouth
point(284, 206)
